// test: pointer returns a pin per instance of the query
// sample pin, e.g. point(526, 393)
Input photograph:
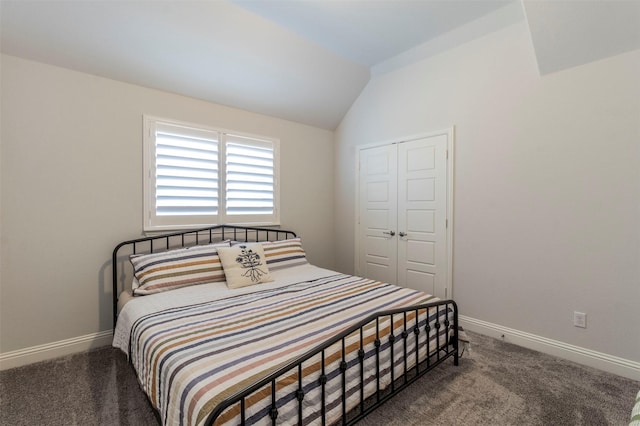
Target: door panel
point(421, 220)
point(421, 189)
point(420, 252)
point(377, 218)
point(424, 280)
point(377, 256)
point(422, 210)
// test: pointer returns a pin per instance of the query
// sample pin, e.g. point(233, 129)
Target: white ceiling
point(370, 31)
point(300, 60)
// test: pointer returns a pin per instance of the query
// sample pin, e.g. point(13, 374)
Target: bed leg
point(456, 341)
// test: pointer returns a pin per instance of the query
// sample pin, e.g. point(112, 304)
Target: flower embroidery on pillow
point(251, 262)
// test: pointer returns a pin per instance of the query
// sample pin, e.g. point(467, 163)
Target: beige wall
point(547, 183)
point(72, 189)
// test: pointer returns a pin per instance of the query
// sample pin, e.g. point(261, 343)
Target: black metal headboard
point(164, 242)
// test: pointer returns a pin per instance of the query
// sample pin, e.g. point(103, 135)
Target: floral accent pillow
point(244, 264)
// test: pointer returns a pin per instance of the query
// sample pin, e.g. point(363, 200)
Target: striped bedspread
point(190, 358)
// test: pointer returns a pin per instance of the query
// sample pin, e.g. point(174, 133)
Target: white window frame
point(153, 222)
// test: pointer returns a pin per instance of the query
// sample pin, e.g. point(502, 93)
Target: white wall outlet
point(580, 319)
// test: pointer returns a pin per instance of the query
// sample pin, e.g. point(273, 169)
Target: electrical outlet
point(580, 319)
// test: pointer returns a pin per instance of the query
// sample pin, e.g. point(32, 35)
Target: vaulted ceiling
point(304, 61)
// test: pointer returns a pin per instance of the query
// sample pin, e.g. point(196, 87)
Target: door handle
point(401, 234)
point(392, 233)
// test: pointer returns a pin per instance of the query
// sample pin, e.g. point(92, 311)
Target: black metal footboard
point(344, 379)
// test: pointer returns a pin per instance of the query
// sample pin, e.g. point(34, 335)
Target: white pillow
point(244, 265)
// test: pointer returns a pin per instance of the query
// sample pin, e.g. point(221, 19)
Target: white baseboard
point(55, 349)
point(612, 364)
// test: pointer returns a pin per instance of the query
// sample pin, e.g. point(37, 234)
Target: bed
point(305, 345)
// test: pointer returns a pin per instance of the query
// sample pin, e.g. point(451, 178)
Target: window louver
point(249, 176)
point(186, 172)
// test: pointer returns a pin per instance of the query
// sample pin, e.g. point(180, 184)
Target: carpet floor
point(496, 383)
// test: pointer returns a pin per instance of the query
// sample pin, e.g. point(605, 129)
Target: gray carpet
point(496, 384)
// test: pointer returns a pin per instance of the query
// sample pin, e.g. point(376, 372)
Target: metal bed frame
point(446, 331)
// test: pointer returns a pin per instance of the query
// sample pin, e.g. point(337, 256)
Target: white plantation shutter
point(198, 177)
point(249, 176)
point(186, 171)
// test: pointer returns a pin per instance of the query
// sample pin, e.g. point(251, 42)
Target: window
point(199, 176)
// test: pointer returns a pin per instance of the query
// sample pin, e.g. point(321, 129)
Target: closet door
point(422, 215)
point(377, 218)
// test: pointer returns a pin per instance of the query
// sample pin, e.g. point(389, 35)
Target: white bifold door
point(403, 214)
